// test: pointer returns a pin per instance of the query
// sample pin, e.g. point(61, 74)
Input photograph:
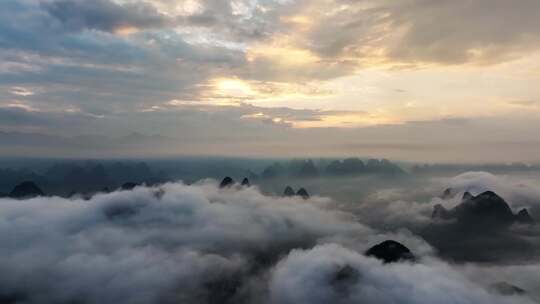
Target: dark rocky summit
point(245, 182)
point(478, 229)
point(226, 182)
point(467, 196)
point(441, 213)
point(524, 217)
point(289, 191)
point(129, 186)
point(26, 190)
point(486, 209)
point(447, 194)
point(390, 251)
point(302, 193)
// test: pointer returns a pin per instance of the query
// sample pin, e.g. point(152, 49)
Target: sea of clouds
point(178, 243)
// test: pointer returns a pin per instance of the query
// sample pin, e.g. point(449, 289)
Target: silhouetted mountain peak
point(288, 191)
point(302, 193)
point(129, 186)
point(490, 195)
point(447, 193)
point(226, 182)
point(524, 217)
point(487, 205)
point(390, 251)
point(26, 190)
point(245, 182)
point(486, 210)
point(440, 212)
point(467, 196)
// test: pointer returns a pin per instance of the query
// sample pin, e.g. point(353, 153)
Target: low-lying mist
point(199, 243)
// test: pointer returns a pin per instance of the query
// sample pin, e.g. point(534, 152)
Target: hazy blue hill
point(9, 178)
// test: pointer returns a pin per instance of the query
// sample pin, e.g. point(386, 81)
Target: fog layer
point(201, 244)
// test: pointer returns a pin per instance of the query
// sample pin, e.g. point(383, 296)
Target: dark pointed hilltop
point(302, 193)
point(440, 212)
point(245, 182)
point(226, 182)
point(447, 194)
point(26, 189)
point(129, 186)
point(524, 217)
point(288, 191)
point(467, 196)
point(390, 251)
point(487, 204)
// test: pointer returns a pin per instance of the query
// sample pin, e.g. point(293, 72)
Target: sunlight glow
point(233, 86)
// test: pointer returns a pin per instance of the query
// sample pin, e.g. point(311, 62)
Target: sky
point(419, 80)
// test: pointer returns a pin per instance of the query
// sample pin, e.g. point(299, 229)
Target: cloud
point(432, 33)
point(44, 45)
point(113, 59)
point(524, 103)
point(311, 276)
point(105, 15)
point(202, 244)
point(169, 243)
point(420, 32)
point(519, 192)
point(207, 127)
point(411, 206)
point(20, 91)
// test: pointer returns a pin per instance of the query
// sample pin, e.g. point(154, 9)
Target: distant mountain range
point(66, 178)
point(459, 168)
point(346, 167)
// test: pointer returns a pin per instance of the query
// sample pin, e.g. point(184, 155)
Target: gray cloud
point(410, 206)
point(416, 31)
point(96, 70)
point(202, 244)
point(152, 245)
point(67, 53)
point(434, 33)
point(209, 129)
point(104, 15)
point(306, 276)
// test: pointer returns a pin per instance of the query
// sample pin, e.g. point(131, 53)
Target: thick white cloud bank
point(306, 277)
point(200, 244)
